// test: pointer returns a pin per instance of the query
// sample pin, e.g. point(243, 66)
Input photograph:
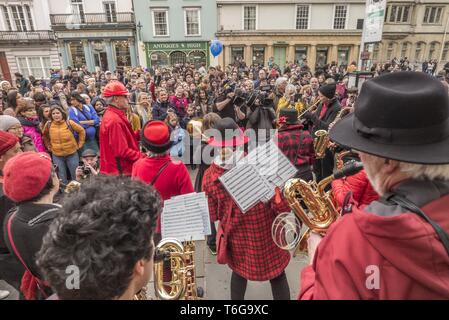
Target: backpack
point(68, 126)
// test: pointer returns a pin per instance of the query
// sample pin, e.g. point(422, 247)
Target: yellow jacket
point(60, 140)
point(284, 103)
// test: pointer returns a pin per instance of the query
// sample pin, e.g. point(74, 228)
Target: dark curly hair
point(104, 229)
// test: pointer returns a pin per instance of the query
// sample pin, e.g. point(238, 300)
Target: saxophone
point(182, 285)
point(321, 211)
point(321, 143)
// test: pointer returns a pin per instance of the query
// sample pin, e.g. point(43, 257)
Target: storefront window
point(343, 56)
point(197, 57)
point(259, 55)
point(321, 57)
point(159, 59)
point(77, 52)
point(122, 53)
point(300, 55)
point(177, 57)
point(237, 54)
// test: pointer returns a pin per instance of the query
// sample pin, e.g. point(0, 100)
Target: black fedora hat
point(290, 115)
point(402, 116)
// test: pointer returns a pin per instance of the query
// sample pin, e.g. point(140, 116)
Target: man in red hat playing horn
point(119, 148)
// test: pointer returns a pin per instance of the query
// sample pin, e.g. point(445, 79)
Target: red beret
point(7, 141)
point(156, 136)
point(26, 175)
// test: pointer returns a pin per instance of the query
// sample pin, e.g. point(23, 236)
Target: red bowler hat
point(228, 134)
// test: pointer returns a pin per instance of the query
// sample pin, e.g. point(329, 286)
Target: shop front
point(166, 54)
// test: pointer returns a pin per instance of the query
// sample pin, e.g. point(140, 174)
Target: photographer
point(224, 105)
point(261, 114)
point(89, 165)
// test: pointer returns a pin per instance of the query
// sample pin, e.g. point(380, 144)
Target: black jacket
point(5, 206)
point(160, 110)
point(28, 227)
point(329, 117)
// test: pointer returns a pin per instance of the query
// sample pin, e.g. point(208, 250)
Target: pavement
point(216, 278)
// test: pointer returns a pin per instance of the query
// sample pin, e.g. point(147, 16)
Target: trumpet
point(311, 108)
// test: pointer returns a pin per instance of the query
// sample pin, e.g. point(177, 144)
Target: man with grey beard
point(396, 247)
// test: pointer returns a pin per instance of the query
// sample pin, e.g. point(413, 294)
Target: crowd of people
point(120, 135)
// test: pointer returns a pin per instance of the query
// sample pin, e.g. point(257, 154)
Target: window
point(390, 51)
point(77, 53)
point(192, 22)
point(433, 15)
point(259, 55)
point(30, 17)
point(376, 52)
point(159, 59)
point(399, 14)
point(321, 57)
point(19, 18)
point(160, 23)
point(300, 55)
point(432, 51)
point(445, 50)
point(6, 17)
point(249, 18)
point(343, 56)
point(111, 11)
point(404, 50)
point(78, 11)
point(340, 16)
point(360, 24)
point(36, 66)
point(122, 54)
point(418, 51)
point(237, 54)
point(302, 17)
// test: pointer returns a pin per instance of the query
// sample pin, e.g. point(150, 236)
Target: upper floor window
point(249, 17)
point(302, 17)
point(160, 23)
point(192, 21)
point(78, 10)
point(399, 14)
point(340, 16)
point(111, 11)
point(6, 17)
point(17, 17)
point(433, 15)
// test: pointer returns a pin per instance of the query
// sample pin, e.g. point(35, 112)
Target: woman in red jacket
point(250, 252)
point(170, 178)
point(362, 191)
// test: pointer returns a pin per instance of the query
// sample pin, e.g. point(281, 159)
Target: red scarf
point(323, 110)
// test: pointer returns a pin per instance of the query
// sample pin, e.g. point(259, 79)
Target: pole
point(444, 40)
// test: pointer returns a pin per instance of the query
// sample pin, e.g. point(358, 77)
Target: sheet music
point(271, 164)
point(186, 217)
point(256, 176)
point(246, 186)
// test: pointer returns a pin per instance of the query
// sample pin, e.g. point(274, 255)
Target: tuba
point(321, 211)
point(321, 143)
point(182, 285)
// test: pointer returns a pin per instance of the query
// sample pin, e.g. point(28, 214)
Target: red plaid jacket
point(252, 252)
point(288, 140)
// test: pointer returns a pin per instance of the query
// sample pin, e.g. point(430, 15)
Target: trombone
point(311, 108)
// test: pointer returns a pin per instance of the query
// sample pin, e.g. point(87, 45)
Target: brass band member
point(321, 119)
point(397, 247)
point(244, 241)
point(111, 249)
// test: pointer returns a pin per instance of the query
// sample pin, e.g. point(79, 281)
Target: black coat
point(329, 117)
point(28, 227)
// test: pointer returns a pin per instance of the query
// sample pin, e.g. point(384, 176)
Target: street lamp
point(139, 34)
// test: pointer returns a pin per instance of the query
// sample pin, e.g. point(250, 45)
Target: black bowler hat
point(402, 116)
point(290, 114)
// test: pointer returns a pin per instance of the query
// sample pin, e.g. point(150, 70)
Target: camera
point(86, 170)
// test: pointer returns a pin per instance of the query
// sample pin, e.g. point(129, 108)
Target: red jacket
point(410, 259)
point(117, 141)
point(362, 190)
point(173, 181)
point(252, 251)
